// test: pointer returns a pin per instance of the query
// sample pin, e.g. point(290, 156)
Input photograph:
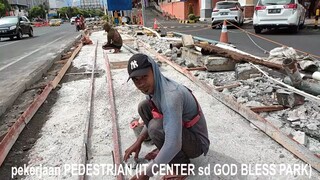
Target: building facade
point(20, 7)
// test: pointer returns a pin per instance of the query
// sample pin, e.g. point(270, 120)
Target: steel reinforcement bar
point(86, 153)
point(115, 127)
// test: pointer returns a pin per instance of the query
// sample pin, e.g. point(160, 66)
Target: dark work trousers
point(191, 144)
point(110, 46)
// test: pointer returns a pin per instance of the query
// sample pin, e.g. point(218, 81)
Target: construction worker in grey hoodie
point(114, 39)
point(172, 116)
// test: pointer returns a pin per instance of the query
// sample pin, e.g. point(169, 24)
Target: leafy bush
point(105, 18)
point(192, 17)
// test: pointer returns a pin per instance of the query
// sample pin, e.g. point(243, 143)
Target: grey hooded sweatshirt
point(177, 104)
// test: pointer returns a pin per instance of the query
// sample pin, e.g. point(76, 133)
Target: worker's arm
point(136, 147)
point(110, 37)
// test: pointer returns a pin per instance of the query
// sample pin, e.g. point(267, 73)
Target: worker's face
point(145, 83)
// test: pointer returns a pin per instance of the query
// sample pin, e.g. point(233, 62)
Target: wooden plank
point(263, 124)
point(218, 51)
point(268, 108)
point(61, 61)
point(229, 86)
point(64, 69)
point(197, 69)
point(13, 133)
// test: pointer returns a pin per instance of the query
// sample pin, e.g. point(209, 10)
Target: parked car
point(275, 14)
point(15, 26)
point(227, 10)
point(54, 22)
point(73, 20)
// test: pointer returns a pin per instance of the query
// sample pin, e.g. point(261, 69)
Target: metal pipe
point(130, 49)
point(290, 66)
point(306, 86)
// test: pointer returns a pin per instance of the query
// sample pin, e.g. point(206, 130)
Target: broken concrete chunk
point(293, 115)
point(242, 100)
point(191, 56)
point(187, 41)
point(269, 90)
point(168, 52)
point(219, 64)
point(226, 91)
point(288, 99)
point(308, 66)
point(300, 137)
point(312, 126)
point(254, 104)
point(243, 71)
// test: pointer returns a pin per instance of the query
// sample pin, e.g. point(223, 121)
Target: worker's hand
point(140, 177)
point(136, 147)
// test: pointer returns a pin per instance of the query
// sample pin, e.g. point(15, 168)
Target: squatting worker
point(114, 39)
point(172, 116)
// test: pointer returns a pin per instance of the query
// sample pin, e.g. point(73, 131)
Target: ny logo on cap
point(133, 64)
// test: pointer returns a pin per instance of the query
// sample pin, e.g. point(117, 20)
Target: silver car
point(276, 14)
point(227, 10)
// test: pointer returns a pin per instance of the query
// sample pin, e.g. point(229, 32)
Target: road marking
point(28, 54)
point(8, 43)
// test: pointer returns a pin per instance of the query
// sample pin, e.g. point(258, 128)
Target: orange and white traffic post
point(224, 33)
point(155, 24)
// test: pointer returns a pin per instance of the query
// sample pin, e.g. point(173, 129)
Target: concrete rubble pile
point(95, 25)
point(297, 116)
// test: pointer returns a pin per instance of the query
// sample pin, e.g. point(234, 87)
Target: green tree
point(98, 12)
point(64, 12)
point(83, 12)
point(37, 11)
point(4, 7)
point(2, 10)
point(75, 11)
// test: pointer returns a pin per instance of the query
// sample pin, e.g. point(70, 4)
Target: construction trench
point(254, 120)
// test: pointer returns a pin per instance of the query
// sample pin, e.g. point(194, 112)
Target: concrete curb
point(32, 78)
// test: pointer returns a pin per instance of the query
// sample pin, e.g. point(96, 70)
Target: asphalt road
point(44, 37)
point(22, 62)
point(307, 40)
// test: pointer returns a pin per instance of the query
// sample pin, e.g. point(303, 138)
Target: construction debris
point(219, 64)
point(238, 57)
point(289, 99)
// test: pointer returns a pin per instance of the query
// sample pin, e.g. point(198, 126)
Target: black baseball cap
point(138, 65)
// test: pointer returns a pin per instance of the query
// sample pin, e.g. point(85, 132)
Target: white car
point(227, 10)
point(73, 20)
point(276, 14)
